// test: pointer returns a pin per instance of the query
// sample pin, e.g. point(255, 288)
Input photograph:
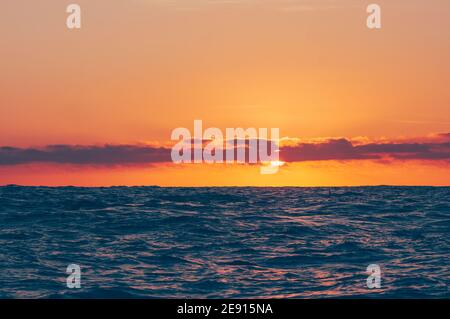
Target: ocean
point(151, 242)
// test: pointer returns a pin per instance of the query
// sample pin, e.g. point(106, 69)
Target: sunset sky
point(97, 106)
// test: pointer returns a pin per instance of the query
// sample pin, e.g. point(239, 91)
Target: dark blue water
point(146, 242)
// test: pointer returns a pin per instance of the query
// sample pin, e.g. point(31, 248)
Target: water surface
point(150, 242)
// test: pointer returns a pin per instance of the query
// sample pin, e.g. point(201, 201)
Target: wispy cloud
point(282, 5)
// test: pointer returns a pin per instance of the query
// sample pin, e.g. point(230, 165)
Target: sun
point(277, 163)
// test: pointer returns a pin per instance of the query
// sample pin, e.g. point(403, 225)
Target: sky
point(96, 106)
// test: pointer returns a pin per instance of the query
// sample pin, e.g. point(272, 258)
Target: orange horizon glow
point(306, 174)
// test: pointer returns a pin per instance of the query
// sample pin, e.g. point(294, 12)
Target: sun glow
point(277, 163)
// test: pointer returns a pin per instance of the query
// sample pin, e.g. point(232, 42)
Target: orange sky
point(138, 69)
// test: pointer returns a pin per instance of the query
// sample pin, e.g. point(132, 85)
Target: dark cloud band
point(113, 155)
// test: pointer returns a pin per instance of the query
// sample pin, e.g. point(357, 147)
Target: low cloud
point(343, 149)
point(107, 155)
point(332, 149)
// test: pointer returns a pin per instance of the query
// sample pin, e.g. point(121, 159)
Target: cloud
point(333, 149)
point(340, 149)
point(107, 155)
point(282, 5)
point(343, 149)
